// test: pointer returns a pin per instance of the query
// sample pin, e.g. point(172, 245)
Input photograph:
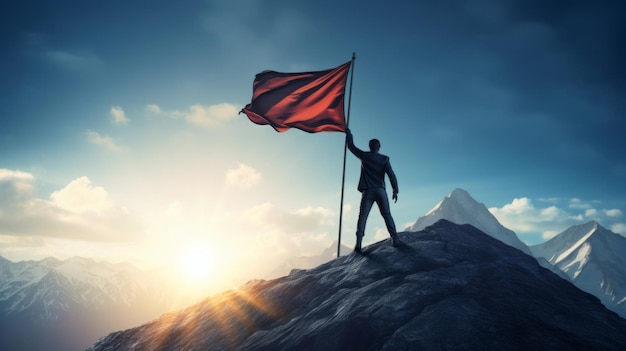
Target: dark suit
point(374, 166)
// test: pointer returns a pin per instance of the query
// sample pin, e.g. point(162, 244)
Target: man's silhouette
point(374, 166)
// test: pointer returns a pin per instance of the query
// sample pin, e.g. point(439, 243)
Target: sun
point(197, 263)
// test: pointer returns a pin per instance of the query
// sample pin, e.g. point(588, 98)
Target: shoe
point(357, 247)
point(395, 241)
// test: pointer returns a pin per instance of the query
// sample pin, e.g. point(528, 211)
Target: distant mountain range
point(448, 287)
point(66, 305)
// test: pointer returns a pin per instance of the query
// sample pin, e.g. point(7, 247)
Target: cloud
point(523, 217)
point(579, 204)
point(118, 116)
point(315, 216)
point(154, 109)
point(209, 116)
point(78, 211)
point(291, 233)
point(613, 212)
point(243, 177)
point(104, 141)
point(307, 219)
point(79, 196)
point(619, 228)
point(15, 186)
point(200, 115)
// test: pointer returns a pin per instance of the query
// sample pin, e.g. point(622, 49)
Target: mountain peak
point(594, 258)
point(573, 237)
point(457, 196)
point(459, 207)
point(460, 193)
point(50, 261)
point(577, 243)
point(395, 298)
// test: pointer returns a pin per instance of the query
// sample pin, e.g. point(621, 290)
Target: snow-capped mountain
point(51, 286)
point(55, 299)
point(460, 208)
point(307, 262)
point(595, 260)
point(447, 287)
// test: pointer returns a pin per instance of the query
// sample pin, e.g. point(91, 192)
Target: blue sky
point(120, 138)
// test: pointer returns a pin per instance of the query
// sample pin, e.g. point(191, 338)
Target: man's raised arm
point(350, 140)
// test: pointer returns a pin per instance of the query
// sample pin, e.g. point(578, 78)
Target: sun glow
point(197, 263)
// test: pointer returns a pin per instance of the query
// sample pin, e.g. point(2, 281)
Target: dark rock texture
point(448, 287)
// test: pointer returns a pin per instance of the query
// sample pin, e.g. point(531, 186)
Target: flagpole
point(345, 150)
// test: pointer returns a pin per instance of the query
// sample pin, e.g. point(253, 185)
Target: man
point(374, 166)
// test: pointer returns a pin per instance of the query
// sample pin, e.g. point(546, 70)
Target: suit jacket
point(374, 166)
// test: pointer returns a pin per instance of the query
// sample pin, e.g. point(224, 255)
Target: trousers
point(379, 196)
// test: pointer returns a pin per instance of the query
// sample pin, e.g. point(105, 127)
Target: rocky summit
point(447, 287)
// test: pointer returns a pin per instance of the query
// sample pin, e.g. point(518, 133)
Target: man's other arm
point(392, 179)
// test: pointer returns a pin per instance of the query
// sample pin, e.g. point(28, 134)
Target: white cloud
point(79, 196)
point(603, 214)
point(118, 116)
point(79, 211)
point(619, 228)
point(205, 116)
point(104, 141)
point(523, 217)
point(209, 116)
point(516, 207)
point(307, 219)
point(579, 204)
point(551, 213)
point(301, 230)
point(310, 210)
point(613, 212)
point(243, 176)
point(317, 215)
point(154, 109)
point(15, 185)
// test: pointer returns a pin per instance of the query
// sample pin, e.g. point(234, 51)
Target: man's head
point(374, 145)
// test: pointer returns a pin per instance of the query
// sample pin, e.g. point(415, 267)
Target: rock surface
point(448, 287)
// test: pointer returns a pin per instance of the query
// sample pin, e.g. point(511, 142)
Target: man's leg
point(364, 210)
point(383, 205)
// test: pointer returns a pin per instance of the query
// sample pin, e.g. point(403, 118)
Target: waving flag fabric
point(310, 101)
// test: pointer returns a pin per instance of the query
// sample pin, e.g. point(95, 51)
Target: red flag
point(310, 101)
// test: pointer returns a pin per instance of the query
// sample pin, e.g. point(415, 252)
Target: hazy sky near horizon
point(120, 138)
